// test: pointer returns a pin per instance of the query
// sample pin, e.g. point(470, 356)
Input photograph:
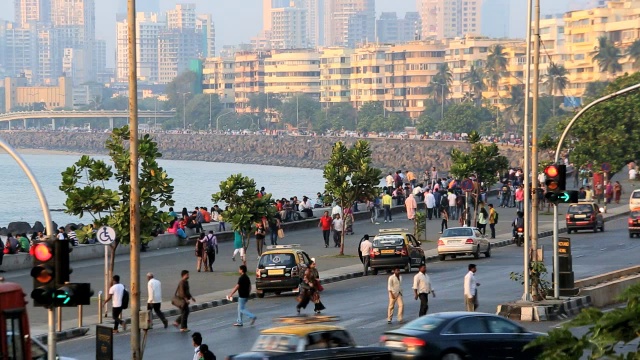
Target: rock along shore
point(292, 151)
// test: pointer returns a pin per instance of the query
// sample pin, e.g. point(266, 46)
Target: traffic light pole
point(556, 256)
point(527, 162)
point(51, 336)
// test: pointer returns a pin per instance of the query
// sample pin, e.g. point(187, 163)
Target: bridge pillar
point(53, 123)
point(110, 123)
point(24, 123)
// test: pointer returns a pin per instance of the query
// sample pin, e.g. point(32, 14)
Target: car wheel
point(441, 257)
point(568, 231)
point(277, 292)
point(602, 227)
point(453, 256)
point(260, 295)
point(477, 253)
point(374, 271)
point(595, 228)
point(488, 252)
point(452, 356)
point(407, 267)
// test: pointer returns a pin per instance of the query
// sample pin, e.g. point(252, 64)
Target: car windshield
point(458, 232)
point(277, 260)
point(636, 195)
point(392, 240)
point(424, 323)
point(276, 342)
point(635, 214)
point(580, 209)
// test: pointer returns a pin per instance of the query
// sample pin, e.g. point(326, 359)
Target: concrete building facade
point(248, 77)
point(368, 74)
point(335, 75)
point(443, 19)
point(288, 73)
point(19, 95)
point(218, 78)
point(349, 22)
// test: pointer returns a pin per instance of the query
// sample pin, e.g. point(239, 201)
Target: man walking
point(365, 250)
point(411, 206)
point(154, 293)
point(211, 242)
point(184, 293)
point(116, 292)
point(325, 225)
point(422, 288)
point(394, 287)
point(238, 247)
point(386, 205)
point(244, 290)
point(492, 220)
point(430, 202)
point(337, 230)
point(470, 289)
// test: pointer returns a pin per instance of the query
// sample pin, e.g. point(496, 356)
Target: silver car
point(463, 241)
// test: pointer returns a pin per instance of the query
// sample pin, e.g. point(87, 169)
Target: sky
point(228, 14)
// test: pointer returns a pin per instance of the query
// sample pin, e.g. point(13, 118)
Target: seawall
point(293, 151)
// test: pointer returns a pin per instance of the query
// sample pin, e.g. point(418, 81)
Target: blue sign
point(606, 167)
point(467, 185)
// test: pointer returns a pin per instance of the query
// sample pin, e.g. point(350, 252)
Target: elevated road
point(106, 114)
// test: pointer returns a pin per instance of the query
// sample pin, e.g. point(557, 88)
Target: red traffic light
point(43, 252)
point(551, 171)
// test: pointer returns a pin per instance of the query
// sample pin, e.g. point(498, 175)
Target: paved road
point(361, 303)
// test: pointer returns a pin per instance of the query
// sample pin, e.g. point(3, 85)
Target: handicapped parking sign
point(106, 235)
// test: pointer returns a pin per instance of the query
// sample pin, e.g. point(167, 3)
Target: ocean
point(194, 182)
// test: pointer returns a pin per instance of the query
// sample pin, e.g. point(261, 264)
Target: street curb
point(65, 335)
point(544, 312)
point(539, 312)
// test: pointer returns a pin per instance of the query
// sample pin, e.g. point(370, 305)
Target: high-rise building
point(148, 6)
point(267, 6)
point(183, 16)
point(390, 29)
point(450, 18)
point(495, 18)
point(148, 28)
point(288, 73)
point(217, 79)
point(100, 56)
point(32, 11)
point(176, 48)
point(75, 28)
point(289, 28)
point(47, 51)
point(207, 31)
point(368, 74)
point(349, 22)
point(19, 46)
point(315, 21)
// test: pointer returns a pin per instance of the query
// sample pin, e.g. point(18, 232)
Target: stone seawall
point(303, 152)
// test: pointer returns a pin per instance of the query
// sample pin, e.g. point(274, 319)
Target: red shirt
point(325, 223)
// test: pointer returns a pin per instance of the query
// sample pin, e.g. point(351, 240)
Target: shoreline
point(35, 151)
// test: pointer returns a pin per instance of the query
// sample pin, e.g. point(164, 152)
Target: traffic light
point(73, 294)
point(566, 196)
point(556, 178)
point(43, 274)
point(62, 268)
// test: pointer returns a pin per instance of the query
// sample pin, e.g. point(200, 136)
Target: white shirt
point(154, 291)
point(60, 236)
point(422, 283)
point(336, 210)
point(365, 247)
point(337, 224)
point(430, 200)
point(452, 199)
point(116, 291)
point(305, 205)
point(632, 174)
point(195, 353)
point(417, 190)
point(470, 284)
point(395, 285)
point(389, 180)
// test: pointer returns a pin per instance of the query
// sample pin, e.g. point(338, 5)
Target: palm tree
point(475, 79)
point(440, 86)
point(607, 55)
point(556, 81)
point(496, 65)
point(515, 104)
point(634, 53)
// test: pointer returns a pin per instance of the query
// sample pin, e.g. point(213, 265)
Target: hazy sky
point(237, 21)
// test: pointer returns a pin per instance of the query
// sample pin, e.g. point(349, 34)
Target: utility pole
point(134, 207)
point(442, 109)
point(297, 113)
point(534, 134)
point(184, 110)
point(527, 171)
point(210, 122)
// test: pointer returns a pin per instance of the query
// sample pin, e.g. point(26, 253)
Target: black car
point(460, 335)
point(584, 216)
point(395, 247)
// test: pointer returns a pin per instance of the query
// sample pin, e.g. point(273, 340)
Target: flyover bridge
point(91, 114)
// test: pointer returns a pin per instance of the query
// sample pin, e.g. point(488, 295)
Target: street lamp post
point(155, 116)
point(210, 123)
point(297, 113)
point(184, 110)
point(218, 119)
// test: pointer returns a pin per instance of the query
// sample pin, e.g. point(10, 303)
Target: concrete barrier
point(607, 293)
point(610, 276)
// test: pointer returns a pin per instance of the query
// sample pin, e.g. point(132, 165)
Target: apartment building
point(368, 74)
point(218, 78)
point(349, 22)
point(288, 73)
point(19, 44)
point(248, 77)
point(289, 28)
point(390, 29)
point(408, 72)
point(18, 94)
point(335, 75)
point(32, 11)
point(443, 19)
point(148, 28)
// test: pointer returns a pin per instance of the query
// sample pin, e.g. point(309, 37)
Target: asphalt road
point(361, 303)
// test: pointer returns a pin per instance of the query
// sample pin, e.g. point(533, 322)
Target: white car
point(463, 241)
point(634, 200)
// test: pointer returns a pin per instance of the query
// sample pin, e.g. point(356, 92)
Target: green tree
point(198, 111)
point(115, 103)
point(594, 90)
point(634, 53)
point(87, 187)
point(475, 80)
point(607, 331)
point(186, 82)
point(244, 208)
point(612, 122)
point(336, 116)
point(556, 81)
point(515, 105)
point(607, 55)
point(440, 86)
point(349, 176)
point(300, 111)
point(496, 65)
point(465, 118)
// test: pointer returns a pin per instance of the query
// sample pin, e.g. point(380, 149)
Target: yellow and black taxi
point(307, 339)
point(395, 247)
point(634, 222)
point(584, 215)
point(281, 268)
